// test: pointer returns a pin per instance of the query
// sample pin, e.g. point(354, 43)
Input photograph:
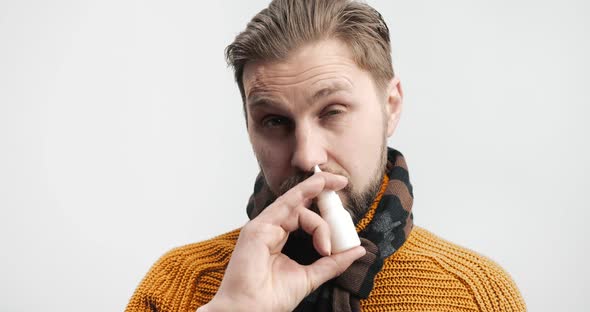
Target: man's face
point(318, 107)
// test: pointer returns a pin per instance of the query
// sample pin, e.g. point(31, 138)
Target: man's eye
point(274, 121)
point(331, 112)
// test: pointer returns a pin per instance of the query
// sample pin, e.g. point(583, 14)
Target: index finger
point(279, 212)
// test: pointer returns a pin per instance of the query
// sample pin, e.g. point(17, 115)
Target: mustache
point(300, 176)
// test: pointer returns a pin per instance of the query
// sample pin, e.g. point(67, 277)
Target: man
point(318, 88)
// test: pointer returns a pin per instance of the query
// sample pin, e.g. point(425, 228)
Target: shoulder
point(213, 249)
point(185, 277)
point(454, 274)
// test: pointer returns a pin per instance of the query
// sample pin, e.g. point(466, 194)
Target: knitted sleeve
point(185, 278)
point(488, 286)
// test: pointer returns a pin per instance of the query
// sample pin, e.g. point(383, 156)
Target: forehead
point(325, 63)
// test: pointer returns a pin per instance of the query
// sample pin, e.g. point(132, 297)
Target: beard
point(356, 201)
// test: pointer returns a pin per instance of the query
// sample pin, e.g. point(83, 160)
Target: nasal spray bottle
point(343, 235)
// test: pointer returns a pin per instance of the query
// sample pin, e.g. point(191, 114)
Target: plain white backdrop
point(122, 136)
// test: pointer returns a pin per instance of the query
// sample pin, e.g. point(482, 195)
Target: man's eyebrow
point(260, 97)
point(328, 90)
point(258, 100)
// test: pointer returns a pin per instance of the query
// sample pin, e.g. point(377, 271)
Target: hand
point(261, 278)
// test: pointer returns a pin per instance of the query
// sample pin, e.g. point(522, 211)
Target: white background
point(122, 136)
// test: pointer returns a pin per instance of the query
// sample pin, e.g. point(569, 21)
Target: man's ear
point(393, 104)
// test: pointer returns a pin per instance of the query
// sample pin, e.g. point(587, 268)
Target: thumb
point(326, 268)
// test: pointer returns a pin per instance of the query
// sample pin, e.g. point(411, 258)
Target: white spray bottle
point(343, 235)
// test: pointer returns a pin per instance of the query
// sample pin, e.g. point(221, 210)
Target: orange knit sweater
point(426, 274)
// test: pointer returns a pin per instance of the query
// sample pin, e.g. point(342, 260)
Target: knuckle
point(320, 177)
point(340, 268)
point(337, 267)
point(254, 229)
point(298, 193)
point(300, 211)
point(247, 228)
point(280, 201)
point(312, 283)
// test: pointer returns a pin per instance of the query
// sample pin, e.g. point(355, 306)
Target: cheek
point(358, 149)
point(273, 159)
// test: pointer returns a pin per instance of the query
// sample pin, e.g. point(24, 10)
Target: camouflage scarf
point(382, 230)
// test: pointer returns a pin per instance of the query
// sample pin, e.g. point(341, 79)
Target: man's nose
point(309, 150)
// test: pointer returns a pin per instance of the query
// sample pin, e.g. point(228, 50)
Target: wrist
point(220, 305)
point(210, 307)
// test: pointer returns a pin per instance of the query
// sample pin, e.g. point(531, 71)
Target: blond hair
point(288, 24)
